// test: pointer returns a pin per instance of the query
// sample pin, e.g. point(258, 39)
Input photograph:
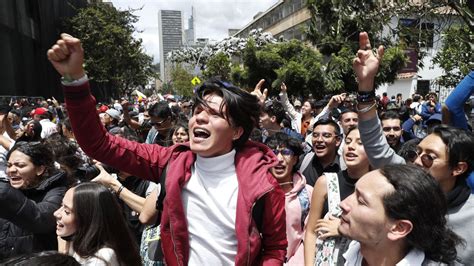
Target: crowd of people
point(231, 177)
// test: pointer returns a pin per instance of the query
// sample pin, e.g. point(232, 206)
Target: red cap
point(39, 111)
point(103, 108)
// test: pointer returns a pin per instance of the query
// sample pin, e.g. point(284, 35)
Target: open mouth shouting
point(200, 134)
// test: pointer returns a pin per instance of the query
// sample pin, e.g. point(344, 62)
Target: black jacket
point(27, 223)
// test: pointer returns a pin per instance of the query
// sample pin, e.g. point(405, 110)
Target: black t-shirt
point(315, 170)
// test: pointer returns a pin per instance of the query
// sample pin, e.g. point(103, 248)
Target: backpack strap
point(306, 161)
point(334, 197)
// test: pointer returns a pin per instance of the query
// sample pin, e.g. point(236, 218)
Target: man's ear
point(399, 229)
point(273, 119)
point(459, 169)
point(338, 140)
point(238, 131)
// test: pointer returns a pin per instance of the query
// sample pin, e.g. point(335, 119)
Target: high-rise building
point(170, 27)
point(190, 35)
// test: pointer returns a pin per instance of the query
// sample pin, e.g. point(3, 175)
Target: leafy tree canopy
point(114, 59)
point(181, 81)
point(456, 55)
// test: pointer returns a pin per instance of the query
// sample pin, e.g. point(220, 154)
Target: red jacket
point(252, 163)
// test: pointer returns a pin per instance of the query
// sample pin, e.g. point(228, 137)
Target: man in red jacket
point(213, 182)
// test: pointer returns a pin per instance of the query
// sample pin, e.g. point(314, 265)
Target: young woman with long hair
point(92, 229)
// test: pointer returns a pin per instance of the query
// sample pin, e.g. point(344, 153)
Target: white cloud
point(212, 18)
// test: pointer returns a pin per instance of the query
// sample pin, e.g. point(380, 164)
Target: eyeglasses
point(426, 159)
point(388, 129)
point(324, 135)
point(284, 152)
point(159, 123)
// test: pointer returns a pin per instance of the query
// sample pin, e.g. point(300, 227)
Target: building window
point(416, 33)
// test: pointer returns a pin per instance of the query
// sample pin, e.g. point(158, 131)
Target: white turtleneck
point(210, 201)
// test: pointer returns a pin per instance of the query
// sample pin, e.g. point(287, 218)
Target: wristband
point(119, 191)
point(68, 81)
point(365, 96)
point(366, 109)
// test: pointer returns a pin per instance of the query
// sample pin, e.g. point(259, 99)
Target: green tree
point(114, 60)
point(292, 62)
point(456, 55)
point(181, 81)
point(334, 30)
point(218, 65)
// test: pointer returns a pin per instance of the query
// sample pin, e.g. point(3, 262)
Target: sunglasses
point(159, 123)
point(284, 152)
point(426, 159)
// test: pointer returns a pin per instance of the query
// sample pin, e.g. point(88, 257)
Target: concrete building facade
point(286, 19)
point(170, 27)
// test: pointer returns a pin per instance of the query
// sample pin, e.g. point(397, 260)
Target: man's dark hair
point(161, 110)
point(345, 111)
point(418, 198)
point(390, 115)
point(242, 108)
point(328, 121)
point(40, 155)
point(280, 139)
point(274, 108)
point(459, 146)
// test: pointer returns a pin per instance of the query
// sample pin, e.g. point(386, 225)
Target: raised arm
point(457, 98)
point(144, 161)
point(286, 103)
point(366, 65)
point(126, 116)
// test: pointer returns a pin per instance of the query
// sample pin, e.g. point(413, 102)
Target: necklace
point(286, 183)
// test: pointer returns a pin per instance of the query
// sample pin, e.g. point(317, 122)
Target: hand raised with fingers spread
point(262, 96)
point(366, 63)
point(67, 57)
point(283, 87)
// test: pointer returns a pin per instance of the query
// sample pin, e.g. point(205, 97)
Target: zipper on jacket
point(250, 222)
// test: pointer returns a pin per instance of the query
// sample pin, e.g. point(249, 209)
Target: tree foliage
point(181, 81)
point(218, 65)
point(334, 30)
point(292, 62)
point(114, 60)
point(456, 56)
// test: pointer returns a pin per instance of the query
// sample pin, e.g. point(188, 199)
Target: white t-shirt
point(354, 257)
point(48, 128)
point(210, 203)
